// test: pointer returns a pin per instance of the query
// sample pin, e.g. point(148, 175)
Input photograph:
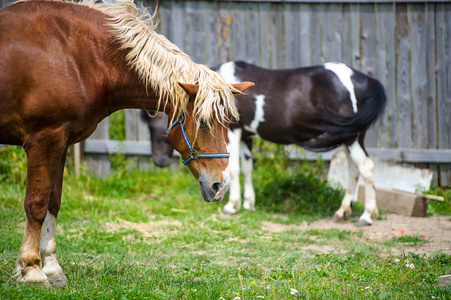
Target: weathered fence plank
point(292, 36)
point(305, 47)
point(210, 23)
point(315, 27)
point(253, 36)
point(178, 27)
point(381, 67)
point(417, 22)
point(403, 78)
point(196, 32)
point(368, 56)
point(332, 31)
point(238, 31)
point(443, 35)
point(225, 38)
point(275, 31)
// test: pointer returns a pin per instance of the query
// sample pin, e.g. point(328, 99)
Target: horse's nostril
point(215, 187)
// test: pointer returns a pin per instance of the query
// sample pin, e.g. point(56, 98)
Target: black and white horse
point(318, 108)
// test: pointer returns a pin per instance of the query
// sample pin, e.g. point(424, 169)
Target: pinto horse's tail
point(339, 130)
point(371, 108)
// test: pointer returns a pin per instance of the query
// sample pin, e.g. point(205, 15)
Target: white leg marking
point(234, 204)
point(47, 247)
point(345, 208)
point(344, 73)
point(246, 164)
point(366, 169)
point(227, 71)
point(24, 272)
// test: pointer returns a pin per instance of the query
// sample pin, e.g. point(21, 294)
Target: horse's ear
point(190, 89)
point(242, 86)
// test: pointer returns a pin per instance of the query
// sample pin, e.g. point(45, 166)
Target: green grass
point(149, 235)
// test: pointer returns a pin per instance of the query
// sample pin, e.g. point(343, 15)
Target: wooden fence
point(406, 45)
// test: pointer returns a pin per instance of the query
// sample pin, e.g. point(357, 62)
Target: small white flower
point(237, 298)
point(412, 266)
point(367, 287)
point(260, 296)
point(396, 260)
point(293, 291)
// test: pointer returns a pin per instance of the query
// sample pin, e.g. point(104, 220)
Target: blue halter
point(193, 153)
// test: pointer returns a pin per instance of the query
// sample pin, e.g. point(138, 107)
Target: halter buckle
point(194, 154)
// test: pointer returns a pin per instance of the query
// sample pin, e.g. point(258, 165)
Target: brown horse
point(63, 68)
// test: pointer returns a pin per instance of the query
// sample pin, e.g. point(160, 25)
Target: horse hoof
point(58, 280)
point(31, 275)
point(361, 223)
point(339, 219)
point(228, 211)
point(248, 207)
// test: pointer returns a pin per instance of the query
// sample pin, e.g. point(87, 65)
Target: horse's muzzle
point(213, 191)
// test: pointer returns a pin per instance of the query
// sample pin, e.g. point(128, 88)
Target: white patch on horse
point(234, 203)
point(259, 116)
point(47, 246)
point(344, 73)
point(226, 172)
point(227, 71)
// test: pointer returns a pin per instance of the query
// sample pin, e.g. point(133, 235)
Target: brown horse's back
point(52, 69)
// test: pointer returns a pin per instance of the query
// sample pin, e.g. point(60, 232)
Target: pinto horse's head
point(203, 147)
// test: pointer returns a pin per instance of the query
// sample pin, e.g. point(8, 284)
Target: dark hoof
point(57, 280)
point(362, 223)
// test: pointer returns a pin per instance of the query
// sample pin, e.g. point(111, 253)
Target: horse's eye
point(203, 124)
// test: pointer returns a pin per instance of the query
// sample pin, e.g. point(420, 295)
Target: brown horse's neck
point(126, 91)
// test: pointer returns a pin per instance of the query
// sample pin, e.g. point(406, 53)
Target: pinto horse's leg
point(234, 204)
point(246, 165)
point(45, 152)
point(345, 209)
point(366, 169)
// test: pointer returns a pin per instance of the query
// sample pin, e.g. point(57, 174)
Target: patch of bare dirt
point(150, 229)
point(436, 230)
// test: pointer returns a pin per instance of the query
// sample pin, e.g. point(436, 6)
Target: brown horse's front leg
point(50, 264)
point(45, 151)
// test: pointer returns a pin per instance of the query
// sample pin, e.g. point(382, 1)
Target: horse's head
point(203, 146)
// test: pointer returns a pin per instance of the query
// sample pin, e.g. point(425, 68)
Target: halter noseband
point(193, 153)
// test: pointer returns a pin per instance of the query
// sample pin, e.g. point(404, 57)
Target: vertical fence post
point(99, 164)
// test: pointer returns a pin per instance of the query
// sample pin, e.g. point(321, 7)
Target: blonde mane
point(161, 64)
